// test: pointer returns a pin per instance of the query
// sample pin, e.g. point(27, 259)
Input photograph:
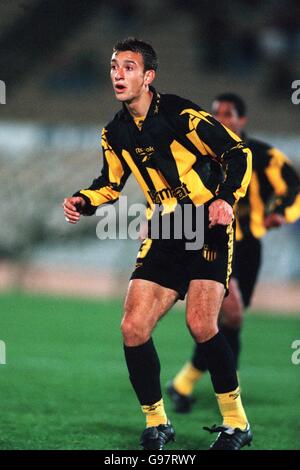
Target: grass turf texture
point(65, 384)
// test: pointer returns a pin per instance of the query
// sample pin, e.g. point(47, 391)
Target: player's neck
point(236, 131)
point(140, 106)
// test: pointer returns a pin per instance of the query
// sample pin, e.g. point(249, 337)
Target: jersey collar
point(153, 109)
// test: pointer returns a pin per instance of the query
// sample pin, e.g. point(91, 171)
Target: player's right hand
point(73, 207)
point(274, 220)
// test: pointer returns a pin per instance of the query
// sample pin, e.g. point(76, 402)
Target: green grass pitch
point(65, 384)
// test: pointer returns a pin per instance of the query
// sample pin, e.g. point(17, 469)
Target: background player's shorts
point(169, 264)
point(247, 261)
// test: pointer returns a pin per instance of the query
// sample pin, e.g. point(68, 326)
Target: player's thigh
point(146, 302)
point(204, 301)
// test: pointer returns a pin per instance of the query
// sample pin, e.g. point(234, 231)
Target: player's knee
point(232, 309)
point(233, 321)
point(202, 329)
point(133, 332)
point(232, 314)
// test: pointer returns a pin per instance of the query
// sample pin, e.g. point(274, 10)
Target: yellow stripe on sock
point(186, 379)
point(155, 414)
point(232, 410)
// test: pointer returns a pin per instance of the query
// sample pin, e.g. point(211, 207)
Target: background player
point(272, 199)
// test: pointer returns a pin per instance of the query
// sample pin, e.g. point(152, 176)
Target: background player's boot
point(182, 403)
point(230, 439)
point(155, 437)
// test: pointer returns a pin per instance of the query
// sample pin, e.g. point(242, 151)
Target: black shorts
point(169, 264)
point(247, 261)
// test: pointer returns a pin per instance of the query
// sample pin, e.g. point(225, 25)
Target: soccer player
point(179, 155)
point(272, 199)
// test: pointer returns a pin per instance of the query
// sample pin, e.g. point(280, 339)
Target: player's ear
point(243, 121)
point(149, 77)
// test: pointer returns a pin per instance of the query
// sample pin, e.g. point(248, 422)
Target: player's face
point(226, 113)
point(128, 77)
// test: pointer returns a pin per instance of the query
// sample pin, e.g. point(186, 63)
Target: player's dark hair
point(144, 48)
point(236, 100)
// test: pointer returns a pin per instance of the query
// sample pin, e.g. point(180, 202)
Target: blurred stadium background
point(64, 355)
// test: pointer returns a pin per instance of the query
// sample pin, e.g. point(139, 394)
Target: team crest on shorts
point(138, 264)
point(208, 253)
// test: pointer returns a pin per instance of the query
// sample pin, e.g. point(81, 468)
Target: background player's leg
point(247, 265)
point(145, 304)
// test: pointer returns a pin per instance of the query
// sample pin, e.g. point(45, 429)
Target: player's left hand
point(274, 220)
point(220, 213)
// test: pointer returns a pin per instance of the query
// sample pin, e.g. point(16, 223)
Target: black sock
point(233, 337)
point(144, 372)
point(220, 363)
point(199, 360)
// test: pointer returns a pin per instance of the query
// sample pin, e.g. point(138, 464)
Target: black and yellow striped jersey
point(274, 187)
point(178, 153)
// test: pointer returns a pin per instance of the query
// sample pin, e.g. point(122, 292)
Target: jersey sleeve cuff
point(88, 209)
point(226, 196)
